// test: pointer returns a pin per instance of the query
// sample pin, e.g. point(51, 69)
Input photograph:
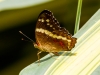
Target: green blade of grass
point(78, 15)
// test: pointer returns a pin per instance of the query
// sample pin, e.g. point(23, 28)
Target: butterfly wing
point(50, 37)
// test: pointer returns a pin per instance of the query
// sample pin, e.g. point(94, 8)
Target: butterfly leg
point(39, 56)
point(55, 53)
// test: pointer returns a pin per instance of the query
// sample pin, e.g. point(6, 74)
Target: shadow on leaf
point(60, 54)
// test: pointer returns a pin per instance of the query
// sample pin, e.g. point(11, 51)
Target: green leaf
point(83, 59)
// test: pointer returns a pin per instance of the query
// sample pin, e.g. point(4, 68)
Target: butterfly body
point(50, 37)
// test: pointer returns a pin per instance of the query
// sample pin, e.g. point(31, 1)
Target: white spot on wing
point(42, 20)
point(48, 23)
point(55, 23)
point(39, 19)
point(51, 34)
point(54, 28)
point(47, 20)
point(69, 43)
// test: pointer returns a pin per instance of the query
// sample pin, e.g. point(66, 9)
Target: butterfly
point(50, 37)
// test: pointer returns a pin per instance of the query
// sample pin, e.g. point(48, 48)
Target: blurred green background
point(16, 54)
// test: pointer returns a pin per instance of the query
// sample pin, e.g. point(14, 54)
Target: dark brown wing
point(50, 36)
point(46, 19)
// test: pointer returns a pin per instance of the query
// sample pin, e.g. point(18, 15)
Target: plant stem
point(78, 15)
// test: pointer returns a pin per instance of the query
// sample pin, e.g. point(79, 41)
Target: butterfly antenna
point(26, 36)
